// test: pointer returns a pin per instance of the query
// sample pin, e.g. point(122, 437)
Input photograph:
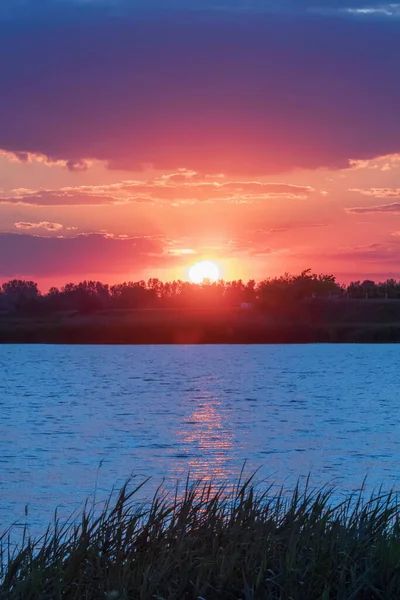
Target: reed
point(203, 542)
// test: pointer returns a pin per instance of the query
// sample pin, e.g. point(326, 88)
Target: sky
point(138, 137)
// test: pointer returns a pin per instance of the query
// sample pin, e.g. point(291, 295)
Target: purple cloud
point(30, 157)
point(383, 208)
point(386, 254)
point(82, 255)
point(374, 253)
point(214, 92)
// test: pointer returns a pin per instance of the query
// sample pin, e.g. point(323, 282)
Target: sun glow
point(206, 269)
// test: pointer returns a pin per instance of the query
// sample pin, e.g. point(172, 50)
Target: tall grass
point(208, 543)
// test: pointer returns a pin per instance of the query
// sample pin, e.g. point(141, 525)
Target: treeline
point(86, 296)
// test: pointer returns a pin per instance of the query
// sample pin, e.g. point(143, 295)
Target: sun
point(206, 269)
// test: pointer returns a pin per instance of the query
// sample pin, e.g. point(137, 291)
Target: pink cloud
point(171, 189)
point(180, 187)
point(42, 225)
point(285, 227)
point(79, 255)
point(58, 198)
point(378, 192)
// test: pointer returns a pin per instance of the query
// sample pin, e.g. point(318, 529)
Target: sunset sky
point(140, 136)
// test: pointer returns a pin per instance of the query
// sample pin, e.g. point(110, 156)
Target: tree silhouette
point(279, 294)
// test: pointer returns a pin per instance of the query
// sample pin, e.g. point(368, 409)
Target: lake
point(161, 411)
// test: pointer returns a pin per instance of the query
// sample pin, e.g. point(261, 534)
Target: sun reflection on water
point(207, 440)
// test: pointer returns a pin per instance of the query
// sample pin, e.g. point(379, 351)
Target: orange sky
point(252, 227)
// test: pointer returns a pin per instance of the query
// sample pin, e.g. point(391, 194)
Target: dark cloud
point(77, 165)
point(82, 255)
point(212, 92)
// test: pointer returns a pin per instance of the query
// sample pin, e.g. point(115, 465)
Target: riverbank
point(203, 543)
point(232, 326)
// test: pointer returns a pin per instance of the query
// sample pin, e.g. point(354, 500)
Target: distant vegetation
point(24, 296)
point(249, 544)
point(303, 308)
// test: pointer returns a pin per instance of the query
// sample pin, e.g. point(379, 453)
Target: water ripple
point(166, 410)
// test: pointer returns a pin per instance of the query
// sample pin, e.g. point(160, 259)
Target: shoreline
point(89, 333)
point(306, 323)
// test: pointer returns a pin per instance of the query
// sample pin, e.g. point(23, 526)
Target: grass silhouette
point(205, 542)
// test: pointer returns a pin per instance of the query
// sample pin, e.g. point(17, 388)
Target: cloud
point(394, 207)
point(180, 251)
point(246, 247)
point(73, 8)
point(386, 253)
point(262, 252)
point(285, 227)
point(29, 158)
point(382, 255)
point(173, 189)
point(385, 9)
point(383, 208)
point(165, 188)
point(212, 92)
point(42, 225)
point(383, 163)
point(57, 198)
point(82, 255)
point(378, 192)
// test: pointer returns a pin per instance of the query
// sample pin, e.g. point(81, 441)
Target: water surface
point(332, 410)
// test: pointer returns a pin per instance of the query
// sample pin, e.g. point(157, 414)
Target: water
point(332, 410)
